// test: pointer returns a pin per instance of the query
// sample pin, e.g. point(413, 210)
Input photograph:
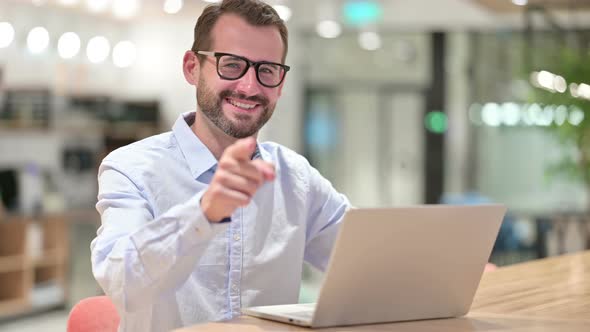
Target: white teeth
point(242, 105)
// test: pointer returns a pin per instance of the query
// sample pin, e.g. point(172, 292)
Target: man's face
point(239, 107)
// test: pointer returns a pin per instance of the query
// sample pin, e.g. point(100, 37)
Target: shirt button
point(237, 237)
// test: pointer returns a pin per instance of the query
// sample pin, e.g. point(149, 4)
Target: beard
point(244, 125)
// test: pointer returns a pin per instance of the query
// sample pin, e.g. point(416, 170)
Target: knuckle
point(225, 163)
point(258, 181)
point(254, 184)
point(221, 176)
point(250, 192)
point(216, 191)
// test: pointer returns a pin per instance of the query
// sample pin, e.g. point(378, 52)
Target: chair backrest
point(94, 314)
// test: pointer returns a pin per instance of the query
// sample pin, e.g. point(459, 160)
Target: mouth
point(241, 105)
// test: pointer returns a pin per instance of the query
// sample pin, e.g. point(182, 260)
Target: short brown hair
point(255, 12)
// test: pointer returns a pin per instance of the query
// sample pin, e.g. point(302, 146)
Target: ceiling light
point(68, 45)
point(361, 13)
point(172, 6)
point(490, 115)
point(576, 116)
point(97, 6)
point(98, 49)
point(559, 84)
point(510, 114)
point(124, 54)
point(560, 115)
point(369, 40)
point(283, 11)
point(584, 91)
point(545, 79)
point(125, 9)
point(38, 40)
point(328, 29)
point(6, 34)
point(520, 2)
point(67, 3)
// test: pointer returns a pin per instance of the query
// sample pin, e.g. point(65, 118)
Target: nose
point(248, 84)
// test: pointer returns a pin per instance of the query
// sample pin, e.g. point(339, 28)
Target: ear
point(191, 67)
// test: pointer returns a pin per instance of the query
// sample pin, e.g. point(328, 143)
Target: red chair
point(490, 267)
point(94, 314)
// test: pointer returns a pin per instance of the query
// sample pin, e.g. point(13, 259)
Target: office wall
point(161, 42)
point(457, 167)
point(23, 69)
point(512, 166)
point(369, 104)
point(511, 162)
point(447, 15)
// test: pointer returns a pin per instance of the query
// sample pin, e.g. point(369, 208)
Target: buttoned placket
point(234, 236)
point(235, 261)
point(236, 255)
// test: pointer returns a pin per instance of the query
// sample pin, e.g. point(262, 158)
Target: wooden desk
point(556, 287)
point(549, 295)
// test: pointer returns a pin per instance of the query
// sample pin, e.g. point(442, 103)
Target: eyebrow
point(235, 57)
point(272, 64)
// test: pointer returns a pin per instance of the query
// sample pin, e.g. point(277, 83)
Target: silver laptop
point(399, 264)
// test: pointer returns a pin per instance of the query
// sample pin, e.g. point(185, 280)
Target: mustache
point(260, 99)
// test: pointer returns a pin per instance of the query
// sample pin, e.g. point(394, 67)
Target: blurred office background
point(397, 102)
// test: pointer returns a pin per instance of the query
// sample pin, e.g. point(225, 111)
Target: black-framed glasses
point(232, 67)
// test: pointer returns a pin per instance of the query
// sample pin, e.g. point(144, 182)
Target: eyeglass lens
point(233, 68)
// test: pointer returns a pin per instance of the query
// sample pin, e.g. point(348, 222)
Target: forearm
point(326, 208)
point(135, 268)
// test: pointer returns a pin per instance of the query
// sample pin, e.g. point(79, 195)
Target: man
point(204, 220)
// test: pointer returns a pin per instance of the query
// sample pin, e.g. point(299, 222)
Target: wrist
point(208, 212)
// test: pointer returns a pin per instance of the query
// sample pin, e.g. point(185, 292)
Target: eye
point(268, 70)
point(233, 65)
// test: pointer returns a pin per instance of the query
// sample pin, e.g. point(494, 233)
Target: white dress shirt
point(165, 266)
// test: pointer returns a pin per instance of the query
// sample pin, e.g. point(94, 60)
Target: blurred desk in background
point(547, 295)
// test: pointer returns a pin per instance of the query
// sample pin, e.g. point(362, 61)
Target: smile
point(241, 104)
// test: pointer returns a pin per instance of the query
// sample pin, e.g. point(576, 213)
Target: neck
point(213, 137)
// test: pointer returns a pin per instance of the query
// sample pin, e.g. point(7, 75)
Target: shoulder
point(143, 153)
point(293, 168)
point(284, 156)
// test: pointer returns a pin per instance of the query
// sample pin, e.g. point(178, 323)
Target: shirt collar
point(198, 156)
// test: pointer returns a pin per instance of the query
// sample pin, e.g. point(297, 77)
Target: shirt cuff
point(195, 227)
point(181, 231)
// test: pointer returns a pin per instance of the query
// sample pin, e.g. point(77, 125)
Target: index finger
point(242, 149)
